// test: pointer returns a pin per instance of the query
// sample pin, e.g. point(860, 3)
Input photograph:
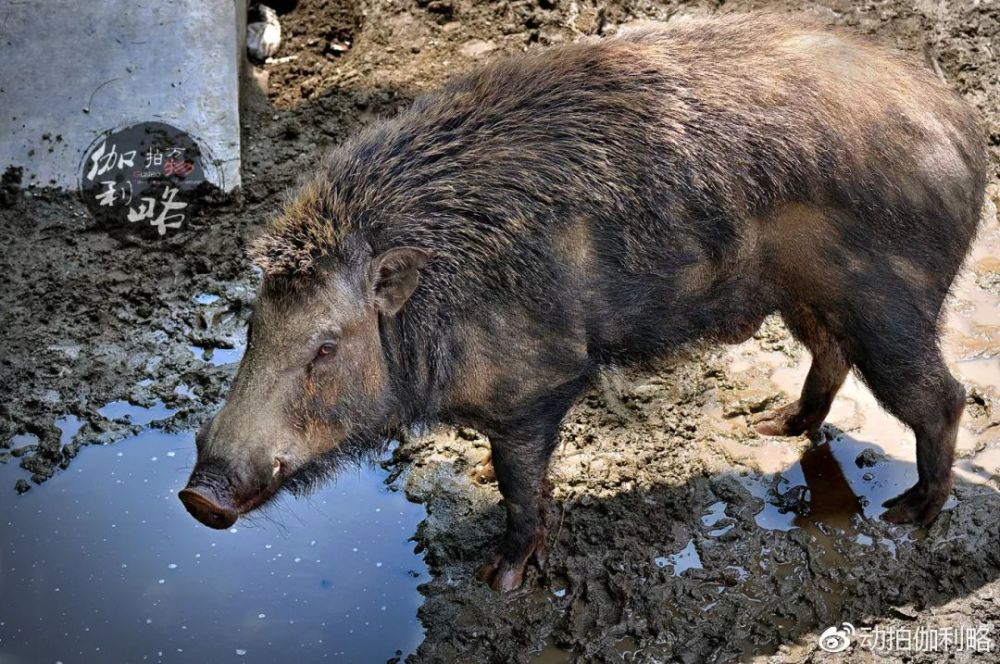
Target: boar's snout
point(207, 496)
point(204, 507)
point(218, 491)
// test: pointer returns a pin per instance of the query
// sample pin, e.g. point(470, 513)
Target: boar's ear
point(394, 276)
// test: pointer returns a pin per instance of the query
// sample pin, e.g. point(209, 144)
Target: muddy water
point(104, 564)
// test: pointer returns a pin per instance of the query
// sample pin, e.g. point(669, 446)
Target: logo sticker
point(836, 639)
point(145, 179)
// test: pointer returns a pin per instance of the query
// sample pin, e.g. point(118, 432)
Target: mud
point(679, 534)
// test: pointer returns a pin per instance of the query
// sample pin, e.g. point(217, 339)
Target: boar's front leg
point(521, 466)
point(520, 453)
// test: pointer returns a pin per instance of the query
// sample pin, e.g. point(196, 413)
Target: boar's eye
point(327, 350)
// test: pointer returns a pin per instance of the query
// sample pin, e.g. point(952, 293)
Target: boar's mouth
point(354, 452)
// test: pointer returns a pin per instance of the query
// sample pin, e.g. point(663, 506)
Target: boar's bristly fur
point(481, 255)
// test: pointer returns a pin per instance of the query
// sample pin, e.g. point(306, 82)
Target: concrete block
point(72, 71)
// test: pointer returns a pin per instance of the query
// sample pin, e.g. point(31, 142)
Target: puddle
point(123, 410)
point(22, 439)
point(217, 356)
point(716, 513)
point(552, 654)
point(685, 559)
point(104, 564)
point(185, 390)
point(627, 649)
point(206, 298)
point(832, 485)
point(68, 426)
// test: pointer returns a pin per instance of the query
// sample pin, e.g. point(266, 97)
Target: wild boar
point(478, 258)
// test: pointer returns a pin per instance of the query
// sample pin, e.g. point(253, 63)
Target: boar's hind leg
point(826, 374)
point(484, 473)
point(895, 349)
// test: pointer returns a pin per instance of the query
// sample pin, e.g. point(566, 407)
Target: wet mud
point(679, 533)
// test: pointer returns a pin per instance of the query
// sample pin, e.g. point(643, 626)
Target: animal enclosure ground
point(678, 532)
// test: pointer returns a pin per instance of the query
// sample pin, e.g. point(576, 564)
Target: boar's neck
point(409, 348)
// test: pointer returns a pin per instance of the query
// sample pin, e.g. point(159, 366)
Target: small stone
point(334, 47)
point(477, 48)
point(868, 458)
point(443, 7)
point(22, 486)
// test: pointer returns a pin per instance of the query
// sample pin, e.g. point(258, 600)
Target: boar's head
point(313, 388)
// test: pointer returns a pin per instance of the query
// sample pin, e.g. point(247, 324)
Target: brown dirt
point(795, 545)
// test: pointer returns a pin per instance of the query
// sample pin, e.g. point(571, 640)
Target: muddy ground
point(679, 534)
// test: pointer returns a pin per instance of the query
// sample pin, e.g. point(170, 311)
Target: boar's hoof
point(785, 421)
point(919, 504)
point(484, 473)
point(503, 575)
